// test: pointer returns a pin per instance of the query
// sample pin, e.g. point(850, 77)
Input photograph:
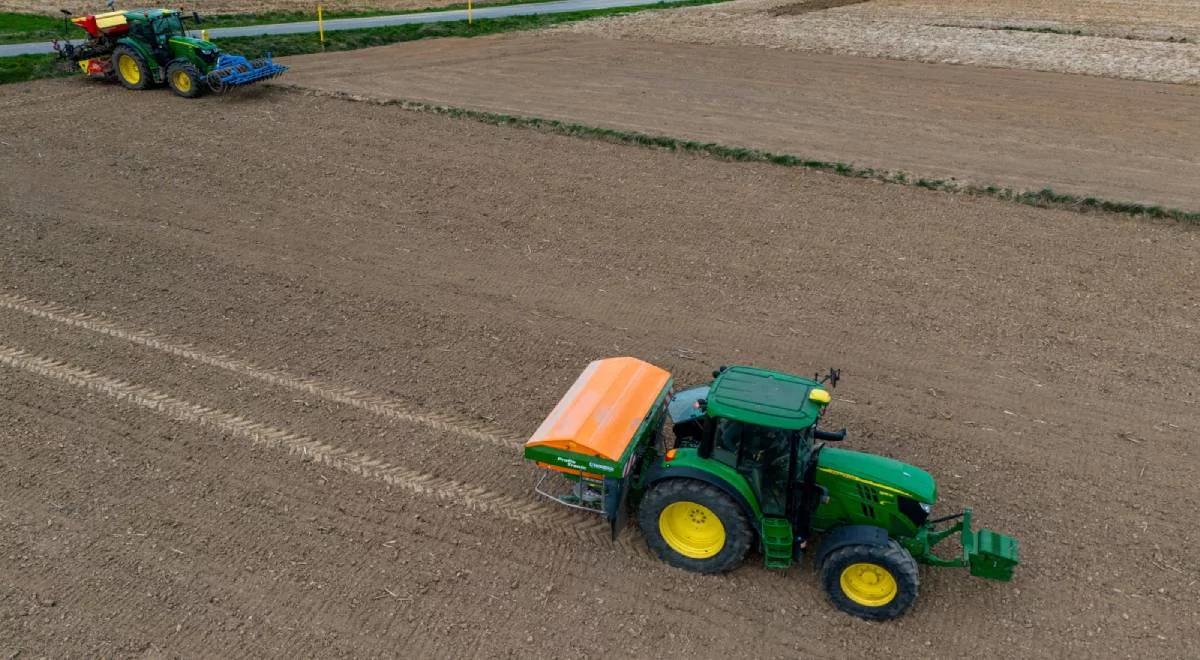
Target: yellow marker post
point(204, 35)
point(321, 24)
point(470, 14)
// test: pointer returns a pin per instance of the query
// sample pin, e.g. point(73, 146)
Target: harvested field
point(271, 407)
point(1151, 19)
point(1134, 39)
point(1114, 139)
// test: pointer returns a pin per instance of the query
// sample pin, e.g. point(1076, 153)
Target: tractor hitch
point(986, 553)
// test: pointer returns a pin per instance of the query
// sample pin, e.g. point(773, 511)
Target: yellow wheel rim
point(183, 82)
point(691, 529)
point(871, 585)
point(130, 71)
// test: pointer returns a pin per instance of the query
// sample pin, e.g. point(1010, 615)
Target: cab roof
point(766, 398)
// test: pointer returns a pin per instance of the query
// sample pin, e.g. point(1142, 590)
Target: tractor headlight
point(917, 512)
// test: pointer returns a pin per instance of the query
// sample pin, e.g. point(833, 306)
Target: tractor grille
point(869, 494)
point(870, 497)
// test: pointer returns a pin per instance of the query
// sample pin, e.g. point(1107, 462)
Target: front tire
point(695, 526)
point(184, 79)
point(130, 69)
point(871, 582)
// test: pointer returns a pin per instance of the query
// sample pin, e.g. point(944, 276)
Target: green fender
point(687, 464)
point(147, 55)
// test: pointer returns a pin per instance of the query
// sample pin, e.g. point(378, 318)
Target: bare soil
point(1134, 39)
point(1120, 140)
point(159, 494)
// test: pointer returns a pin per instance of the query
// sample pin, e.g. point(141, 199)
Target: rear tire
point(130, 69)
point(871, 582)
point(695, 526)
point(184, 79)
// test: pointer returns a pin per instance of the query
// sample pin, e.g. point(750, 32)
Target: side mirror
point(829, 436)
point(66, 12)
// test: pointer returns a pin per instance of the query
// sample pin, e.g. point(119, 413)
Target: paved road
point(563, 6)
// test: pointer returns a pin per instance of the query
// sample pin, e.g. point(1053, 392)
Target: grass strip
point(23, 68)
point(1044, 198)
point(16, 28)
point(266, 18)
point(302, 44)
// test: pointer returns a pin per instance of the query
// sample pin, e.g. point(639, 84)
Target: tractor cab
point(760, 423)
point(155, 28)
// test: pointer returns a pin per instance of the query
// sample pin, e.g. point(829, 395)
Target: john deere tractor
point(145, 47)
point(745, 465)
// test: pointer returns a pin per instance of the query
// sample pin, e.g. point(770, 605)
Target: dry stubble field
point(273, 405)
point(1135, 39)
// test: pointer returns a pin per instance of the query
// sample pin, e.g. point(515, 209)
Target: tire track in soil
point(560, 556)
point(555, 517)
point(558, 518)
point(420, 483)
point(376, 404)
point(777, 590)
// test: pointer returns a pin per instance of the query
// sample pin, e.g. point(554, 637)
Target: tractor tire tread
point(199, 82)
point(892, 556)
point(739, 534)
point(144, 82)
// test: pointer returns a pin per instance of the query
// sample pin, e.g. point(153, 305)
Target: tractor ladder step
point(777, 542)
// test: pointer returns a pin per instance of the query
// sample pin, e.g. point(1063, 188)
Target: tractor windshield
point(169, 25)
point(761, 454)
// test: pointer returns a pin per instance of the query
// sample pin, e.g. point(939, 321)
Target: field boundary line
point(376, 404)
point(1045, 197)
point(529, 512)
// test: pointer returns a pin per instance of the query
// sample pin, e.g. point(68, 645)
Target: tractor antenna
point(832, 377)
point(66, 23)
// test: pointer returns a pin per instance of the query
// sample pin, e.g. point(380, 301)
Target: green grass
point(265, 18)
point(24, 68)
point(1044, 198)
point(299, 44)
point(18, 28)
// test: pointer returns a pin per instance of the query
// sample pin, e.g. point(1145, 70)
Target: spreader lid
point(602, 411)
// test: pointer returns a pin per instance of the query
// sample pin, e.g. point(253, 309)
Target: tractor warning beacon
point(745, 465)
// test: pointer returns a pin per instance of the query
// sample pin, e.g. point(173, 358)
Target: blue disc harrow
point(237, 71)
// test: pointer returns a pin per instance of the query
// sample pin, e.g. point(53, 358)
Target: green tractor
point(745, 465)
point(145, 47)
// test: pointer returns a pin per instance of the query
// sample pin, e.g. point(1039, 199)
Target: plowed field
point(263, 384)
point(1113, 139)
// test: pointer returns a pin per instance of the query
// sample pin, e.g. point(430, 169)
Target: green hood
point(880, 472)
point(198, 44)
